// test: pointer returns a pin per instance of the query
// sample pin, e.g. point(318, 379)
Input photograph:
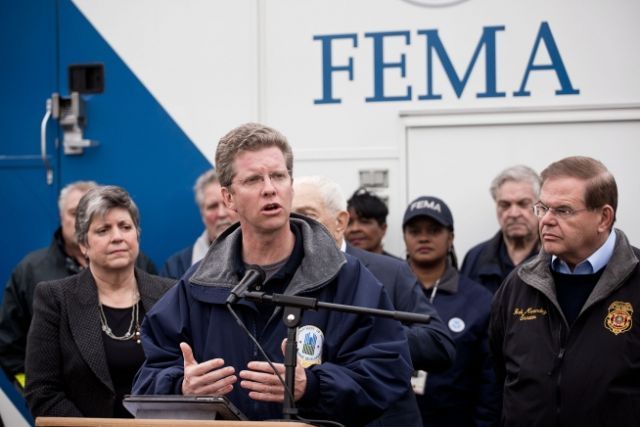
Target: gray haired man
point(514, 190)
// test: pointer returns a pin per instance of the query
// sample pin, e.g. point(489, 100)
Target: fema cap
point(431, 207)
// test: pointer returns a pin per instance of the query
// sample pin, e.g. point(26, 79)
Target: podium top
point(132, 422)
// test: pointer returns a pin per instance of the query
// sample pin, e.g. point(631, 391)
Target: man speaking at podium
point(351, 367)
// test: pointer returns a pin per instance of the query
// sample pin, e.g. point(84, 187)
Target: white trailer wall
point(215, 64)
point(533, 137)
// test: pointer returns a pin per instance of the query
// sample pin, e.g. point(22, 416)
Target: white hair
point(207, 178)
point(330, 192)
point(83, 186)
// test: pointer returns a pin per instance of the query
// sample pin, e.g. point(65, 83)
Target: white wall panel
point(457, 163)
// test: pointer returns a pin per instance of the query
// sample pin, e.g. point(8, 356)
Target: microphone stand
point(293, 307)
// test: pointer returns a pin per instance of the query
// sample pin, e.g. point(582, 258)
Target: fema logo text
point(426, 204)
point(385, 66)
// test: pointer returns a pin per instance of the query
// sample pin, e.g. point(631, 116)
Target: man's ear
point(607, 216)
point(227, 198)
point(342, 220)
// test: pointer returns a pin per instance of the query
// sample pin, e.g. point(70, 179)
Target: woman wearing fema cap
point(466, 394)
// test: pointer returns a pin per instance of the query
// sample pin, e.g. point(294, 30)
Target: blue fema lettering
point(487, 40)
point(557, 65)
point(328, 68)
point(379, 66)
point(435, 49)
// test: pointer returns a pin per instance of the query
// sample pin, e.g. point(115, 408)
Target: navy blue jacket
point(177, 264)
point(365, 363)
point(467, 394)
point(430, 345)
point(488, 263)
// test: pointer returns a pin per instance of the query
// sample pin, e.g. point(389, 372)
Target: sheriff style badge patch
point(619, 319)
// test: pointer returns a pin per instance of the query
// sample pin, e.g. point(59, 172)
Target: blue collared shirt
point(594, 263)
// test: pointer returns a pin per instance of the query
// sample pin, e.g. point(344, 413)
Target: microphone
point(254, 276)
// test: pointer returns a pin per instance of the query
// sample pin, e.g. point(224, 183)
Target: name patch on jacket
point(529, 313)
point(619, 318)
point(310, 339)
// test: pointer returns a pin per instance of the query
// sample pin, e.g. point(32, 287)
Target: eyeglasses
point(256, 181)
point(540, 210)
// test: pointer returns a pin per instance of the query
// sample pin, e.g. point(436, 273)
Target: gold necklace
point(133, 332)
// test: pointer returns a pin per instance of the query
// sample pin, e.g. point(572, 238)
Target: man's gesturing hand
point(263, 384)
point(210, 377)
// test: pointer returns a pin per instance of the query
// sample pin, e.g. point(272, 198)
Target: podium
point(133, 422)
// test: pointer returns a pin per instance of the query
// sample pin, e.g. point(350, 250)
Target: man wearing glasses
point(351, 368)
point(562, 332)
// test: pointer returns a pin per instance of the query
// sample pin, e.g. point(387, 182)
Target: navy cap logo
point(426, 204)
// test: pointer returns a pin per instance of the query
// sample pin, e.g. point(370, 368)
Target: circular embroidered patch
point(456, 324)
point(310, 339)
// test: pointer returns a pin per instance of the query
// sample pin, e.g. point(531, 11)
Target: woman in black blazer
point(83, 349)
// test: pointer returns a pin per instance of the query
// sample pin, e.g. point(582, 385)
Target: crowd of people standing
point(535, 328)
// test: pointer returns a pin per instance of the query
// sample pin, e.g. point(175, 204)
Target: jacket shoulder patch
point(310, 339)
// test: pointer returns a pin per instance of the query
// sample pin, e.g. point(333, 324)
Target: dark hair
point(368, 205)
point(97, 202)
point(601, 188)
point(248, 137)
point(453, 257)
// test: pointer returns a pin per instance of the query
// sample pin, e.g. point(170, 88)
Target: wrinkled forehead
point(72, 199)
point(515, 191)
point(563, 190)
point(307, 196)
point(264, 159)
point(212, 192)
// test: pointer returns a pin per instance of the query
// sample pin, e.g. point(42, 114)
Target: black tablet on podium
point(179, 407)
